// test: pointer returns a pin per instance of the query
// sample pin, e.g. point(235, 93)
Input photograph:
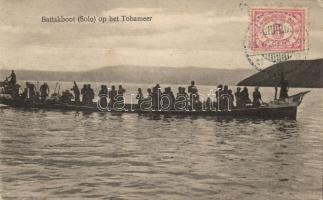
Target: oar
point(59, 87)
point(55, 87)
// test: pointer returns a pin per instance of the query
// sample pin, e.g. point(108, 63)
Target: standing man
point(76, 91)
point(284, 87)
point(13, 78)
point(237, 94)
point(90, 93)
point(44, 91)
point(83, 92)
point(257, 101)
point(194, 97)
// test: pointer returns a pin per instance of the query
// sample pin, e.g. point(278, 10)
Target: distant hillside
point(299, 73)
point(135, 74)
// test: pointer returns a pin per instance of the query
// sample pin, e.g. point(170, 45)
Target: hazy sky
point(201, 33)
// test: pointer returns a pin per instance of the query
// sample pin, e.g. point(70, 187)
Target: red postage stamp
point(278, 30)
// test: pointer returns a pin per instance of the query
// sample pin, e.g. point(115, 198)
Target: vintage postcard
point(161, 99)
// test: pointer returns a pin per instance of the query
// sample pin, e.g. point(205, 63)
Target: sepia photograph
point(161, 99)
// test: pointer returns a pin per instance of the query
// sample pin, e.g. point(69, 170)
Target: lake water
point(70, 155)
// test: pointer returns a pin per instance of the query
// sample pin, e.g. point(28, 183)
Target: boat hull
point(289, 112)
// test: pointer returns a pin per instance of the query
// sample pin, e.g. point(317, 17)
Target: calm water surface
point(70, 155)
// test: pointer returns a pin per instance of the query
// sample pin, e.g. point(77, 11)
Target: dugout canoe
point(277, 109)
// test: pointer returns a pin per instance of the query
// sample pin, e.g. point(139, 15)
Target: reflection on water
point(75, 155)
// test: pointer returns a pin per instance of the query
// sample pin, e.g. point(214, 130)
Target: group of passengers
point(191, 100)
point(112, 94)
point(224, 97)
point(155, 96)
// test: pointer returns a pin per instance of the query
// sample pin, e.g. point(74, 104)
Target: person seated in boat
point(76, 92)
point(37, 96)
point(83, 93)
point(44, 91)
point(66, 97)
point(15, 91)
point(24, 94)
point(207, 105)
point(284, 87)
point(237, 94)
point(139, 96)
point(257, 101)
point(245, 97)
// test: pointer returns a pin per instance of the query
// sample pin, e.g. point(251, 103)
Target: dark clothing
point(44, 91)
point(112, 95)
point(172, 98)
point(140, 97)
point(245, 98)
point(181, 101)
point(256, 99)
point(76, 92)
point(284, 86)
point(194, 97)
point(67, 97)
point(218, 93)
point(224, 100)
point(83, 90)
point(167, 100)
point(192, 89)
point(90, 95)
point(24, 94)
point(231, 96)
point(156, 97)
point(31, 91)
point(238, 99)
point(13, 78)
point(121, 91)
point(15, 91)
point(103, 94)
point(120, 97)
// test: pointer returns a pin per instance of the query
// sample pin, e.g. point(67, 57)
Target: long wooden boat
point(278, 109)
